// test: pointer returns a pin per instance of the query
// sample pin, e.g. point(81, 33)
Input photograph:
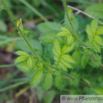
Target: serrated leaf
point(57, 46)
point(49, 97)
point(64, 48)
point(95, 10)
point(60, 40)
point(97, 62)
point(62, 34)
point(65, 30)
point(89, 32)
point(100, 31)
point(55, 53)
point(30, 62)
point(67, 49)
point(94, 25)
point(23, 66)
point(21, 53)
point(3, 27)
point(77, 57)
point(68, 58)
point(34, 43)
point(73, 20)
point(48, 38)
point(60, 82)
point(84, 60)
point(66, 64)
point(96, 47)
point(74, 82)
point(56, 58)
point(49, 27)
point(36, 79)
point(98, 91)
point(48, 81)
point(63, 67)
point(20, 59)
point(98, 40)
point(70, 40)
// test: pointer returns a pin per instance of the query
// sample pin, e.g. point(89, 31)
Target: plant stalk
point(74, 33)
point(7, 65)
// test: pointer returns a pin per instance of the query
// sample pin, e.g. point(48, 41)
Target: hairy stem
point(74, 33)
point(27, 42)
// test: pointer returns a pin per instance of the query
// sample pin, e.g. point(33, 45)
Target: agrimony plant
point(64, 54)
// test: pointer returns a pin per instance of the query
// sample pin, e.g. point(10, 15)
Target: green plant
point(64, 55)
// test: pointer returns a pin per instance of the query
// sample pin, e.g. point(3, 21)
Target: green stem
point(23, 35)
point(9, 12)
point(74, 33)
point(7, 65)
point(27, 42)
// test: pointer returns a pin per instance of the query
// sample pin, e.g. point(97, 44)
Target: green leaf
point(60, 82)
point(68, 58)
point(36, 79)
point(30, 62)
point(98, 40)
point(21, 53)
point(57, 46)
point(63, 67)
point(100, 31)
point(97, 62)
point(89, 32)
point(77, 57)
point(67, 49)
point(95, 10)
point(84, 60)
point(20, 59)
point(98, 91)
point(94, 25)
point(55, 53)
point(73, 20)
point(70, 40)
point(48, 38)
point(96, 47)
point(74, 82)
point(49, 27)
point(34, 43)
point(66, 64)
point(23, 66)
point(49, 97)
point(3, 27)
point(64, 32)
point(48, 81)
